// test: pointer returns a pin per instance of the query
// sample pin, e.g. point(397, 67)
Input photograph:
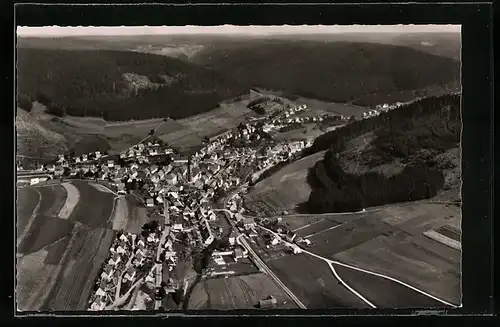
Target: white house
point(34, 181)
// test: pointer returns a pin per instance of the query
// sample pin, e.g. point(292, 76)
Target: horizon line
point(230, 30)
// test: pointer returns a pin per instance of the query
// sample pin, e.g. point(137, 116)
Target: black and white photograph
point(167, 168)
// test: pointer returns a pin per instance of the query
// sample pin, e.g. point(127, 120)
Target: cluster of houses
point(128, 254)
point(278, 153)
point(183, 188)
point(371, 113)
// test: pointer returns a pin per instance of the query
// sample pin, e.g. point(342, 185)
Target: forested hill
point(119, 85)
point(416, 143)
point(364, 73)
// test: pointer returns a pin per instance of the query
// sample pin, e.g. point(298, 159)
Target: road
point(263, 267)
point(332, 262)
point(240, 239)
point(159, 266)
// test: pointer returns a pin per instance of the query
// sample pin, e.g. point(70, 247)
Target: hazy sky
point(230, 29)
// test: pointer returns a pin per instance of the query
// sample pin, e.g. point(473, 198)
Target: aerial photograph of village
point(238, 167)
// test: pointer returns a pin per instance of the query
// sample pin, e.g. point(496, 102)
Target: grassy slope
point(92, 83)
point(337, 71)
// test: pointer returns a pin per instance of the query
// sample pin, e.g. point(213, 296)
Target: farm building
point(268, 303)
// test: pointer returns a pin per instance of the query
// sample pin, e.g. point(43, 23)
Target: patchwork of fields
point(390, 241)
point(62, 246)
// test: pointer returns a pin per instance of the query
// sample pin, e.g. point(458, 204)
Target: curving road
point(240, 239)
point(331, 262)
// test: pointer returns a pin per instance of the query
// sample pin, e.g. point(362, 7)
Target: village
point(182, 193)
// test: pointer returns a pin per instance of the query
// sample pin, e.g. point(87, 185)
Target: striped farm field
point(58, 259)
point(81, 265)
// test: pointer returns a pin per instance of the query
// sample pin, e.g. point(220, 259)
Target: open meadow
point(239, 292)
point(62, 247)
point(286, 188)
point(307, 132)
point(316, 107)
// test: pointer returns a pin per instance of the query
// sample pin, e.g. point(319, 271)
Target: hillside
point(115, 84)
point(407, 154)
point(361, 73)
point(34, 139)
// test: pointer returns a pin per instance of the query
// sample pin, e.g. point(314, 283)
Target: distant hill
point(334, 71)
point(120, 85)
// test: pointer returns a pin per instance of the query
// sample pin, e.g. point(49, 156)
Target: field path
point(331, 262)
point(72, 198)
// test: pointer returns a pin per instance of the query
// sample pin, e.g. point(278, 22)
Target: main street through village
point(219, 179)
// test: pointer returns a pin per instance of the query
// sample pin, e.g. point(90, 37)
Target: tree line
point(446, 106)
point(344, 192)
point(403, 132)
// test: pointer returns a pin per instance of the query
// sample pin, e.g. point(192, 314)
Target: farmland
point(285, 189)
point(44, 231)
point(72, 199)
point(240, 292)
point(384, 293)
point(94, 208)
point(53, 199)
point(307, 222)
point(81, 265)
point(58, 259)
point(314, 283)
point(392, 244)
point(27, 201)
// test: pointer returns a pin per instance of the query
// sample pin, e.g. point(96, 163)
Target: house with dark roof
point(268, 303)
